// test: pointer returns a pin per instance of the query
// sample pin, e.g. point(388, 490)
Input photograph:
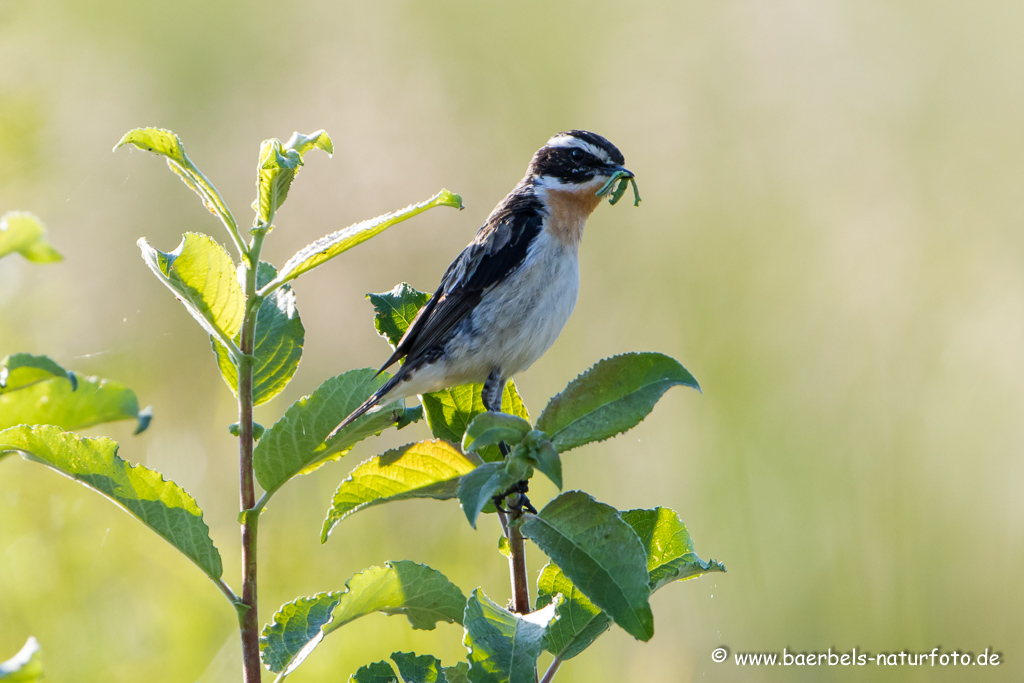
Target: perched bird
point(505, 299)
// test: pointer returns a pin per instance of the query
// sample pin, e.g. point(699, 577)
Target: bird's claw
point(515, 498)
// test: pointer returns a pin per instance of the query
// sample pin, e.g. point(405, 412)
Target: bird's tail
point(368, 405)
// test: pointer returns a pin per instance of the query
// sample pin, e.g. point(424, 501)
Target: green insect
point(623, 178)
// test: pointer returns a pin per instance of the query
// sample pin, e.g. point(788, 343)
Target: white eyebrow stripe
point(570, 141)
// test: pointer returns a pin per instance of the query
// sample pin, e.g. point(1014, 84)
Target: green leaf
point(579, 622)
point(394, 311)
point(599, 553)
point(422, 594)
point(56, 402)
point(274, 175)
point(277, 338)
point(329, 246)
point(450, 411)
point(503, 647)
point(24, 667)
point(278, 166)
point(418, 669)
point(540, 452)
point(411, 415)
point(670, 557)
point(304, 143)
point(479, 487)
point(167, 144)
point(458, 673)
point(202, 276)
point(295, 444)
point(490, 429)
point(378, 672)
point(159, 504)
point(24, 233)
point(611, 397)
point(295, 625)
point(428, 469)
point(20, 370)
point(670, 552)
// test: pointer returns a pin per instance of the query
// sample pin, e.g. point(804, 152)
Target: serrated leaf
point(23, 233)
point(202, 276)
point(394, 311)
point(611, 397)
point(580, 621)
point(418, 669)
point(160, 504)
point(490, 429)
point(422, 594)
point(450, 411)
point(168, 145)
point(295, 444)
point(157, 140)
point(503, 647)
point(278, 339)
point(329, 246)
point(670, 552)
point(278, 165)
point(458, 673)
point(544, 457)
point(55, 402)
point(19, 370)
point(24, 667)
point(670, 557)
point(599, 553)
point(427, 469)
point(295, 625)
point(378, 672)
point(479, 487)
point(274, 175)
point(304, 143)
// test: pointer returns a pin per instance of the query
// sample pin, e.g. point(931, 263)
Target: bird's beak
point(620, 171)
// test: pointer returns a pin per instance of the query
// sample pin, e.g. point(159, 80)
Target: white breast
point(522, 317)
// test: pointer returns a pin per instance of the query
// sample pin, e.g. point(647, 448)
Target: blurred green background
point(831, 240)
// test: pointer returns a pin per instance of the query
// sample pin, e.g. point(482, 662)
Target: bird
point(505, 299)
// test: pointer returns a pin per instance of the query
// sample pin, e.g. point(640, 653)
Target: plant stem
point(212, 196)
point(549, 675)
point(249, 620)
point(517, 564)
point(226, 590)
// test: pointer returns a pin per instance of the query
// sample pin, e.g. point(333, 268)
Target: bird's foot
point(515, 499)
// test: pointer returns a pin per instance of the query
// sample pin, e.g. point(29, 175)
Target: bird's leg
point(494, 387)
point(491, 394)
point(522, 502)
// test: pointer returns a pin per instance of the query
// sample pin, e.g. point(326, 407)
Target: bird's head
point(577, 161)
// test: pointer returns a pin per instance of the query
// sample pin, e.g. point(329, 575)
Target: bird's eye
point(576, 155)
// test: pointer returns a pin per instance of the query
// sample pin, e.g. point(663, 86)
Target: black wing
point(499, 247)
